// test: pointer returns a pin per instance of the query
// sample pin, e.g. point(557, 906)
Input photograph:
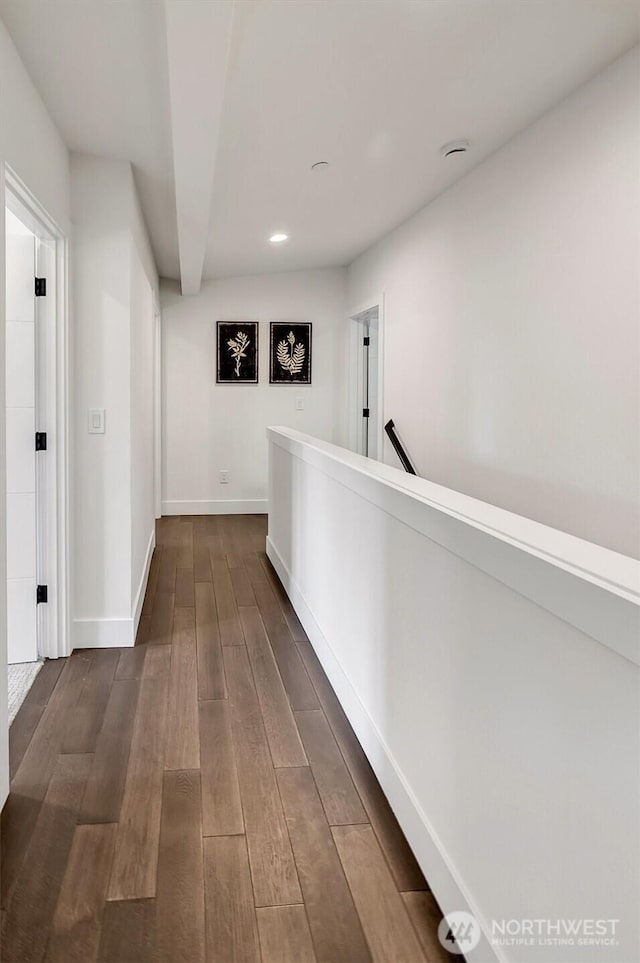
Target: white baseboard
point(114, 633)
point(448, 889)
point(237, 506)
point(102, 633)
point(142, 585)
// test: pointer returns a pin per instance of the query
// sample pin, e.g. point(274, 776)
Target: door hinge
point(366, 341)
point(42, 594)
point(41, 441)
point(41, 287)
point(365, 412)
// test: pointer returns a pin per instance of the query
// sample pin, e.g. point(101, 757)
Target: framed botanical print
point(290, 353)
point(237, 353)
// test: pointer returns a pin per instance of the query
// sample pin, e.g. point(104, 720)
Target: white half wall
point(207, 427)
point(490, 672)
point(511, 320)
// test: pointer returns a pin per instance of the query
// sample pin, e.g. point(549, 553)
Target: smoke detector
point(320, 166)
point(455, 147)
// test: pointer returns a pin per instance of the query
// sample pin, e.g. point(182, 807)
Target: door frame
point(52, 401)
point(356, 373)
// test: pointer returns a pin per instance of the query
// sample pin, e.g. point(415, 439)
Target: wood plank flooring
point(201, 797)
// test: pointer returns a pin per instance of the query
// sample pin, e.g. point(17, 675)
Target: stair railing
point(397, 444)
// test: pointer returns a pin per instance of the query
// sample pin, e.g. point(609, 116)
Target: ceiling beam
point(198, 44)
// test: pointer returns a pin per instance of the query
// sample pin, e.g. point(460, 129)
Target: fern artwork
point(237, 353)
point(290, 353)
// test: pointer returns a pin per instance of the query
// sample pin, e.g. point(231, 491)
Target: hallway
point(201, 796)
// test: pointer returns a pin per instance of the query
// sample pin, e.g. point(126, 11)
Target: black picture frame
point(290, 344)
point(237, 365)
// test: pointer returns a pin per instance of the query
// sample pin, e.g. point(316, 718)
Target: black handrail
point(397, 444)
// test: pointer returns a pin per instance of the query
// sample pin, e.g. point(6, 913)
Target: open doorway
point(20, 246)
point(366, 381)
point(35, 434)
point(21, 456)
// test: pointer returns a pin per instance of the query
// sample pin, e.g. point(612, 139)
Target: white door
point(20, 441)
point(366, 413)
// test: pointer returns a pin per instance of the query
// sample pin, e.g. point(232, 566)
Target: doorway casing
point(368, 316)
point(52, 412)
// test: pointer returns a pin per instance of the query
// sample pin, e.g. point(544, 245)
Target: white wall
point(101, 493)
point(4, 701)
point(209, 427)
point(142, 423)
point(114, 280)
point(493, 683)
point(511, 310)
point(31, 145)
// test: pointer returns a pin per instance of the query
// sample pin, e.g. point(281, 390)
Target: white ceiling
point(223, 106)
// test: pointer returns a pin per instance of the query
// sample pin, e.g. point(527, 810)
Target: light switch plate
point(96, 421)
point(299, 404)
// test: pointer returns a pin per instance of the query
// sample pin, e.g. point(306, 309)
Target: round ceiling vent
point(455, 147)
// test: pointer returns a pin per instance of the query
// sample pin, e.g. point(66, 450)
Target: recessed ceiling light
point(278, 238)
point(320, 166)
point(455, 147)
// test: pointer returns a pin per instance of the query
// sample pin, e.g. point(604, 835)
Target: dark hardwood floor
point(202, 796)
